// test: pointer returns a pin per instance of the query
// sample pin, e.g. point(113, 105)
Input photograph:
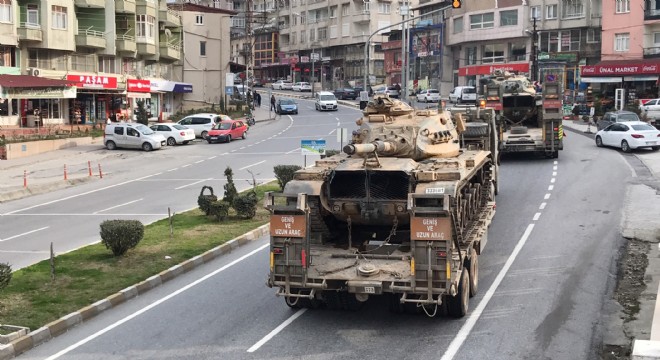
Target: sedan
point(174, 133)
point(286, 106)
point(226, 131)
point(629, 135)
point(616, 117)
point(346, 93)
point(282, 85)
point(302, 86)
point(430, 95)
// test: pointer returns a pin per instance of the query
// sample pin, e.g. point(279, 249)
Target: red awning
point(27, 81)
point(622, 67)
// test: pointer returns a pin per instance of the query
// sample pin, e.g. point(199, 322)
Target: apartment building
point(111, 53)
point(630, 50)
point(500, 34)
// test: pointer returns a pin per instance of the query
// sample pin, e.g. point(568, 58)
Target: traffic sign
point(312, 147)
point(229, 90)
point(315, 56)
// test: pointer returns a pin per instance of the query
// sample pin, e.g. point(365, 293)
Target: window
point(593, 36)
point(551, 11)
point(535, 12)
point(108, 65)
point(622, 6)
point(146, 28)
point(383, 8)
point(294, 20)
point(4, 108)
point(572, 8)
point(32, 15)
point(60, 18)
point(5, 11)
point(303, 36)
point(199, 19)
point(322, 33)
point(334, 31)
point(560, 41)
point(366, 7)
point(333, 12)
point(7, 55)
point(293, 38)
point(622, 42)
point(345, 30)
point(458, 25)
point(482, 21)
point(656, 38)
point(471, 56)
point(239, 22)
point(202, 48)
point(509, 18)
point(493, 53)
point(518, 52)
point(312, 35)
point(344, 9)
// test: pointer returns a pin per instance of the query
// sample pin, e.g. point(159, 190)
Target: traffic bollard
point(100, 172)
point(65, 177)
point(24, 178)
point(89, 166)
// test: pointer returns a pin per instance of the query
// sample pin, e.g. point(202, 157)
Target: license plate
point(369, 290)
point(214, 138)
point(651, 142)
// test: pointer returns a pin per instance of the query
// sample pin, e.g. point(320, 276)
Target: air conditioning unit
point(34, 72)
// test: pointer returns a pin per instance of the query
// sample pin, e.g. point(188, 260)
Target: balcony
point(97, 4)
point(146, 48)
point(29, 32)
point(170, 17)
point(125, 6)
point(146, 7)
point(652, 52)
point(90, 39)
point(361, 17)
point(126, 44)
point(169, 51)
point(651, 14)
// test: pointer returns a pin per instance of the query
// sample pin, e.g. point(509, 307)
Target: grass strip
point(89, 274)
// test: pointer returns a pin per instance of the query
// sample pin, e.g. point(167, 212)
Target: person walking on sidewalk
point(272, 103)
point(257, 98)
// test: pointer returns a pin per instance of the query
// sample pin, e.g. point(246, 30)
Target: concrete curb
point(67, 322)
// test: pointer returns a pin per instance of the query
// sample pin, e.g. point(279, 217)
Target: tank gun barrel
point(379, 146)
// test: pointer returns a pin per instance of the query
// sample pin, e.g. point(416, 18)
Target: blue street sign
point(229, 90)
point(312, 147)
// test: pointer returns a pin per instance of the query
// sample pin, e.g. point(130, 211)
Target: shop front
point(138, 90)
point(472, 74)
point(639, 78)
point(31, 101)
point(99, 98)
point(168, 95)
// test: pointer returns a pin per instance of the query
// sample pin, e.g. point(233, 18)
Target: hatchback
point(174, 133)
point(226, 131)
point(346, 93)
point(430, 95)
point(282, 85)
point(614, 117)
point(286, 106)
point(302, 86)
point(629, 135)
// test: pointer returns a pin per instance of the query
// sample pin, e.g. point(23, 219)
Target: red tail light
point(658, 135)
point(637, 136)
point(303, 258)
point(277, 251)
point(182, 133)
point(442, 254)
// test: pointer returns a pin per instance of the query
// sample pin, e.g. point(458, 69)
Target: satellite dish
point(168, 32)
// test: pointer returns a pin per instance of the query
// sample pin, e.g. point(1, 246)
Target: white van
point(462, 94)
point(200, 123)
point(325, 100)
point(131, 135)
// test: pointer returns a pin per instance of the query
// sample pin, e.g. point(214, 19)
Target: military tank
point(517, 96)
point(403, 212)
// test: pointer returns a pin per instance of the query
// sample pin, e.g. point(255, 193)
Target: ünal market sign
point(93, 81)
point(630, 68)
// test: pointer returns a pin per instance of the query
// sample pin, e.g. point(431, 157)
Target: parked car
point(325, 100)
point(174, 133)
point(282, 85)
point(226, 131)
point(614, 117)
point(651, 110)
point(392, 91)
point(430, 95)
point(302, 86)
point(629, 135)
point(131, 135)
point(286, 106)
point(359, 89)
point(461, 94)
point(240, 92)
point(200, 123)
point(346, 94)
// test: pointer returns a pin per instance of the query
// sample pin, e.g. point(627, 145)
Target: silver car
point(131, 135)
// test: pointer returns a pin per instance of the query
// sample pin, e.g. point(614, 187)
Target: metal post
point(404, 42)
point(313, 75)
point(534, 51)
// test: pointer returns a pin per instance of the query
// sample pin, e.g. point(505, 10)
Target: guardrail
point(30, 25)
point(90, 32)
point(175, 47)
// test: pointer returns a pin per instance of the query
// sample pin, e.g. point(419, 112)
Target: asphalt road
point(545, 273)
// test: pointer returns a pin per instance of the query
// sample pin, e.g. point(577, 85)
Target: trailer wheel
point(473, 265)
point(457, 306)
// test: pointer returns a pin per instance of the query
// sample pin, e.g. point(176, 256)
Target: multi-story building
point(113, 52)
point(630, 50)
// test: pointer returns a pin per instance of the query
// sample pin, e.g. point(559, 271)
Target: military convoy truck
point(402, 213)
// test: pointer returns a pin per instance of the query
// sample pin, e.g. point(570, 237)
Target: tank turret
point(516, 94)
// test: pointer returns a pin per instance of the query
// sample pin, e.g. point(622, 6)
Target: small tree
point(230, 189)
point(284, 174)
point(5, 275)
point(121, 235)
point(141, 113)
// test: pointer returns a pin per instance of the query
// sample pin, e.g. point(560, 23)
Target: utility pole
point(535, 60)
point(313, 74)
point(404, 47)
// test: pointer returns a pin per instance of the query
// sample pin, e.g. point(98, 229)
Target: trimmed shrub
point(219, 210)
point(230, 188)
point(121, 235)
point(331, 152)
point(5, 275)
point(141, 113)
point(246, 205)
point(284, 174)
point(204, 200)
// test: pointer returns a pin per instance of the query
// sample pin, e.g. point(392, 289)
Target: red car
point(226, 131)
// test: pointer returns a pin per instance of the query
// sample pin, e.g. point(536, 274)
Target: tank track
point(471, 199)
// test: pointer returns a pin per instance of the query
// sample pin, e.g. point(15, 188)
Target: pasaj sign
point(138, 85)
point(93, 81)
point(631, 68)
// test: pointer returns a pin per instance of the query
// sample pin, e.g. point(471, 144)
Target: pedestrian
point(257, 97)
point(272, 102)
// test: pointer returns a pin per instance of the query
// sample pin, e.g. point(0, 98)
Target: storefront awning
point(622, 67)
point(159, 86)
point(641, 78)
point(601, 79)
point(182, 88)
point(27, 81)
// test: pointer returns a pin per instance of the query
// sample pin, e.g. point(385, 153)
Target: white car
point(201, 124)
point(430, 95)
point(282, 85)
point(462, 94)
point(651, 109)
point(629, 135)
point(302, 86)
point(174, 133)
point(131, 135)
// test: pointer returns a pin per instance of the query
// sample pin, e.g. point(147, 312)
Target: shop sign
point(138, 85)
point(304, 59)
point(488, 69)
point(390, 45)
point(624, 68)
point(93, 81)
point(326, 58)
point(567, 56)
point(40, 93)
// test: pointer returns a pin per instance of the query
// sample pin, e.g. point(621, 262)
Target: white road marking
point(551, 187)
point(547, 196)
point(156, 174)
point(554, 168)
point(332, 132)
point(191, 184)
point(556, 162)
point(542, 206)
point(186, 165)
point(241, 148)
point(276, 331)
point(86, 214)
point(554, 173)
point(633, 173)
point(199, 161)
point(536, 216)
point(255, 164)
point(552, 180)
point(212, 157)
point(465, 330)
point(116, 206)
point(172, 169)
point(292, 151)
point(25, 233)
point(153, 305)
